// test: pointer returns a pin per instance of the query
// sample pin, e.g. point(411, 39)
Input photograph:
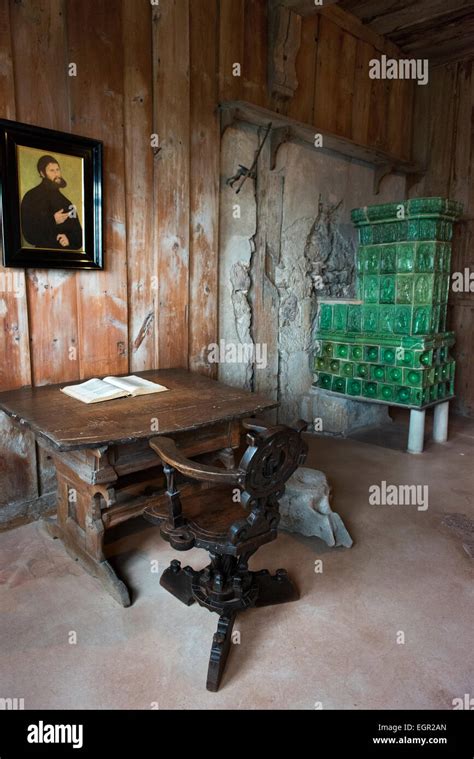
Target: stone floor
point(336, 647)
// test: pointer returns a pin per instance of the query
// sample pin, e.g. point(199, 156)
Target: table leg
point(79, 526)
point(101, 570)
point(416, 435)
point(440, 424)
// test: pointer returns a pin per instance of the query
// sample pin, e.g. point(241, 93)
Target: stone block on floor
point(305, 509)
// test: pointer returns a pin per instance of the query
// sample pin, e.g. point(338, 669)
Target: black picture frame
point(15, 252)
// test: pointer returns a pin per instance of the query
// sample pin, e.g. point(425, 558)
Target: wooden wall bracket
point(277, 137)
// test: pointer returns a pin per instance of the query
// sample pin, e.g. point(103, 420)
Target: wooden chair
point(234, 513)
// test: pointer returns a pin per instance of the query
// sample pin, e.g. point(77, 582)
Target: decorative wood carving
point(284, 44)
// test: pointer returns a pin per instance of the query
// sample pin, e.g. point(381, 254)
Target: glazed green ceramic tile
point(394, 374)
point(372, 261)
point(354, 318)
point(423, 289)
point(387, 288)
point(340, 317)
point(388, 392)
point(406, 258)
point(405, 357)
point(325, 381)
point(395, 348)
point(370, 318)
point(371, 288)
point(402, 321)
point(361, 370)
point(388, 356)
point(388, 259)
point(426, 257)
point(422, 320)
point(377, 373)
point(325, 316)
point(354, 387)
point(339, 385)
point(328, 349)
point(387, 320)
point(425, 358)
point(342, 351)
point(369, 389)
point(347, 369)
point(404, 289)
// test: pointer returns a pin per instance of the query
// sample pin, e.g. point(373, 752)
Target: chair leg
point(275, 589)
point(178, 582)
point(220, 650)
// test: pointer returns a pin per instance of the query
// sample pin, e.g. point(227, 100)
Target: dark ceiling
point(440, 30)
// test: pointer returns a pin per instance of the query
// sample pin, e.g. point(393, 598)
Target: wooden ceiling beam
point(303, 7)
point(388, 18)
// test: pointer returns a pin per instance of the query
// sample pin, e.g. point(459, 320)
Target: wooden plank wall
point(335, 92)
point(148, 69)
point(443, 139)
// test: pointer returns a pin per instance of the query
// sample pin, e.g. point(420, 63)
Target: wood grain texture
point(41, 98)
point(191, 402)
point(231, 48)
point(284, 42)
point(361, 103)
point(442, 139)
point(18, 473)
point(139, 183)
point(256, 51)
point(301, 106)
point(335, 74)
point(204, 188)
point(15, 368)
point(435, 29)
point(97, 109)
point(172, 188)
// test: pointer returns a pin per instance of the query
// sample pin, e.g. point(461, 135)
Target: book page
point(136, 385)
point(94, 391)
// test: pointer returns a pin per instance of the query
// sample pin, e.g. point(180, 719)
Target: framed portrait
point(50, 198)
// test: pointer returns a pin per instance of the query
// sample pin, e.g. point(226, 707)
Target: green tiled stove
point(391, 345)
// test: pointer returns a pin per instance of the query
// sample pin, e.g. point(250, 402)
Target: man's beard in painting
point(58, 184)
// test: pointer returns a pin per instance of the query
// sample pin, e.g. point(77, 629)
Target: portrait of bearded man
point(48, 218)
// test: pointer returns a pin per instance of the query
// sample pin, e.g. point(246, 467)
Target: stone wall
point(300, 214)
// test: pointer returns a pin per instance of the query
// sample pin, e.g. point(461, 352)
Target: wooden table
point(107, 472)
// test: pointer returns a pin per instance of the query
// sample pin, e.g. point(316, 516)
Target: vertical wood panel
point(378, 122)
point(205, 147)
point(301, 106)
point(442, 140)
point(39, 48)
point(18, 476)
point(255, 52)
point(231, 48)
point(334, 79)
point(171, 50)
point(362, 93)
point(461, 167)
point(96, 95)
point(15, 369)
point(138, 120)
point(441, 130)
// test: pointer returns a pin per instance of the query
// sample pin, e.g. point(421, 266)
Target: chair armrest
point(168, 452)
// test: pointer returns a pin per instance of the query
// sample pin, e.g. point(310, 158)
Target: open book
point(97, 390)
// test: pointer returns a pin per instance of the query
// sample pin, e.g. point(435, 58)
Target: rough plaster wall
point(236, 250)
point(318, 239)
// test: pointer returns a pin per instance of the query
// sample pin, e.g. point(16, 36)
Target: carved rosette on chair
point(235, 512)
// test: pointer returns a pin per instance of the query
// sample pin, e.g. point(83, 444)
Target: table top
point(192, 401)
